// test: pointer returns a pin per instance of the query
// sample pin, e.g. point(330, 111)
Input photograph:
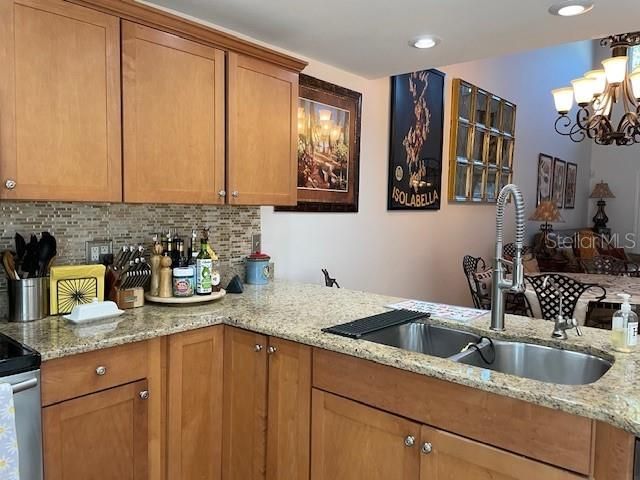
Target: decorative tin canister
point(258, 269)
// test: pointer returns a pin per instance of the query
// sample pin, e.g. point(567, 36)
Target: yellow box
point(74, 285)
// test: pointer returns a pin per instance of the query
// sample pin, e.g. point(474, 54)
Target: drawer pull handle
point(222, 193)
point(426, 448)
point(235, 193)
point(271, 350)
point(410, 441)
point(101, 370)
point(10, 184)
point(258, 347)
point(144, 394)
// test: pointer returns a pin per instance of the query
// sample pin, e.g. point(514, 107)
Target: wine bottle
point(204, 265)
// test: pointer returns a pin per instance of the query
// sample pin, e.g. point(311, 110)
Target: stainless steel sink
point(538, 362)
point(424, 338)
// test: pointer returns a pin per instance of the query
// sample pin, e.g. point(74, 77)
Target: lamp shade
point(546, 211)
point(563, 99)
point(602, 190)
point(600, 80)
point(583, 89)
point(615, 69)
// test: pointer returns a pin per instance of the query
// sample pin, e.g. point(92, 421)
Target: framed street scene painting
point(559, 177)
point(545, 178)
point(570, 185)
point(415, 150)
point(328, 147)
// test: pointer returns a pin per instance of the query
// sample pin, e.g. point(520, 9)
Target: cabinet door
point(245, 405)
point(173, 109)
point(262, 133)
point(447, 456)
point(353, 442)
point(194, 398)
point(102, 436)
point(289, 413)
point(59, 102)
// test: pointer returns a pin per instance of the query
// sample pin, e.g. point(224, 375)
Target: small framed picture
point(570, 185)
point(559, 178)
point(545, 178)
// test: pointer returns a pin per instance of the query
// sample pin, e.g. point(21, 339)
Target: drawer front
point(77, 375)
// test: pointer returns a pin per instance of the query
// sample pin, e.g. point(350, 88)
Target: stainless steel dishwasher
point(20, 366)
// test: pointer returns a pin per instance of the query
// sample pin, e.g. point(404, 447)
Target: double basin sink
point(528, 360)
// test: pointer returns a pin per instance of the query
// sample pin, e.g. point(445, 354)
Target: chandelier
point(596, 95)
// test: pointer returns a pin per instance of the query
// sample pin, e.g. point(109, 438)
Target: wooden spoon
point(9, 265)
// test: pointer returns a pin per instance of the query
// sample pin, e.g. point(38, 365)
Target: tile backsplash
point(75, 223)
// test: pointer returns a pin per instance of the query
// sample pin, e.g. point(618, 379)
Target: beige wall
point(418, 254)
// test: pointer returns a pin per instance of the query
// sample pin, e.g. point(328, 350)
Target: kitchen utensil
point(30, 261)
point(9, 265)
point(47, 249)
point(28, 299)
point(21, 248)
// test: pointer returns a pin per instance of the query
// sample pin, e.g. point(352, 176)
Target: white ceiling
point(369, 37)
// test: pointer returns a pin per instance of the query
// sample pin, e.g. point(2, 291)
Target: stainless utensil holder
point(28, 299)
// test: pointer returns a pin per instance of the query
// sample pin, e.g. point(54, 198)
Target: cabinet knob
point(258, 347)
point(235, 193)
point(144, 394)
point(426, 448)
point(101, 370)
point(410, 441)
point(271, 350)
point(10, 184)
point(222, 193)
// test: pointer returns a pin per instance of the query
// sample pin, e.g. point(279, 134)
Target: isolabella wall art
point(415, 153)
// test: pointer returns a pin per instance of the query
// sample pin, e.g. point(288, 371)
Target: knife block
point(127, 298)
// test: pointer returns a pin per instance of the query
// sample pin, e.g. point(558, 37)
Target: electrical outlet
point(256, 242)
point(97, 249)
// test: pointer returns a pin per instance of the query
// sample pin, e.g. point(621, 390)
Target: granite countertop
point(298, 312)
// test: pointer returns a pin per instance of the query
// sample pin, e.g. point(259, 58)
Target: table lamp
point(547, 211)
point(601, 190)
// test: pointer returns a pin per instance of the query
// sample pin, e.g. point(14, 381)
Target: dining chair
point(607, 265)
point(572, 290)
point(509, 250)
point(475, 267)
point(471, 267)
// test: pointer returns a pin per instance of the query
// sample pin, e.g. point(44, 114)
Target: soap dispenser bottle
point(624, 327)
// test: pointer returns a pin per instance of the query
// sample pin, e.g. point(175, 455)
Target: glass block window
point(482, 141)
point(635, 57)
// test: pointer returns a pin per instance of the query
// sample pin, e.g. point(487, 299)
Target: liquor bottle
point(193, 255)
point(181, 259)
point(204, 265)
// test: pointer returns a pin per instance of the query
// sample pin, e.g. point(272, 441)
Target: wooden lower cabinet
point(452, 457)
point(102, 436)
point(351, 441)
point(194, 403)
point(267, 407)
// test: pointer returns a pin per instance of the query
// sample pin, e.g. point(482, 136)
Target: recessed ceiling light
point(571, 8)
point(425, 42)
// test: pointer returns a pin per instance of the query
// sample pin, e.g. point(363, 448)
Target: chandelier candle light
point(596, 94)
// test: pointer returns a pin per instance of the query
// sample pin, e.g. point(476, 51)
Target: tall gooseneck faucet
point(500, 283)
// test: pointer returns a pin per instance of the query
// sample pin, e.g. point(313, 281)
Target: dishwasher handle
point(22, 386)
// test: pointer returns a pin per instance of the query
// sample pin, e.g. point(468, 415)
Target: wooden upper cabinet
point(289, 411)
point(173, 111)
point(351, 441)
point(99, 436)
point(245, 405)
point(450, 456)
point(60, 136)
point(194, 398)
point(262, 102)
